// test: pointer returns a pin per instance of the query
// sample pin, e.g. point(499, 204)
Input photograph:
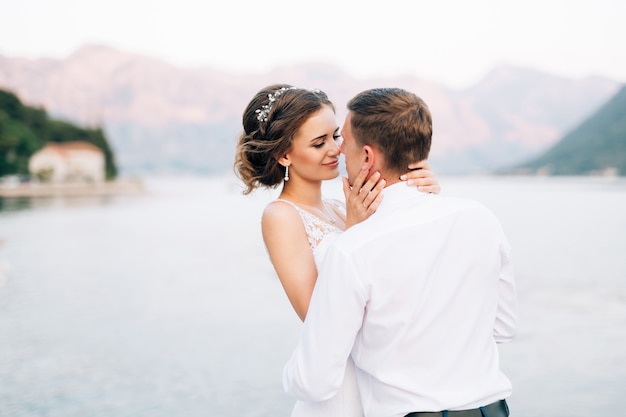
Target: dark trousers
point(497, 409)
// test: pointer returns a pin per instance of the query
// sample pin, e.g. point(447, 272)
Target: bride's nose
point(336, 147)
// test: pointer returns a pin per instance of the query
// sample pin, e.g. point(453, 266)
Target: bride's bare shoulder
point(280, 212)
point(282, 223)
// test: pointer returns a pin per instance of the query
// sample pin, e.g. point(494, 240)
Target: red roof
point(63, 147)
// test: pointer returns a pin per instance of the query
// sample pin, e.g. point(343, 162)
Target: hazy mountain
point(161, 118)
point(598, 145)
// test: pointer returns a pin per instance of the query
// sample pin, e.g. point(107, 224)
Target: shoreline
point(34, 189)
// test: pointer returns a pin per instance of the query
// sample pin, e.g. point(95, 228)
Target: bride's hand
point(421, 176)
point(362, 200)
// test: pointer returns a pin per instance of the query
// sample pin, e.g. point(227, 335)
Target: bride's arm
point(288, 247)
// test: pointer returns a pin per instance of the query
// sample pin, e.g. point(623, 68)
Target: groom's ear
point(368, 157)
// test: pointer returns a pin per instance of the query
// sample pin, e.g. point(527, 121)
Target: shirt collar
point(397, 193)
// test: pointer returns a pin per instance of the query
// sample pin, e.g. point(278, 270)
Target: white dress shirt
point(419, 295)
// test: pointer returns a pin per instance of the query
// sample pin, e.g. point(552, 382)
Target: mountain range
point(596, 146)
point(160, 118)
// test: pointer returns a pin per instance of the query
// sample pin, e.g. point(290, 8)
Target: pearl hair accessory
point(264, 111)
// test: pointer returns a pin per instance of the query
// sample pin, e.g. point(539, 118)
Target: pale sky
point(454, 42)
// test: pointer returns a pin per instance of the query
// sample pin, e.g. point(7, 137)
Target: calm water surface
point(166, 305)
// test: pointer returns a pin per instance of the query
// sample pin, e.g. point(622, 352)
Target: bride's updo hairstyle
point(270, 122)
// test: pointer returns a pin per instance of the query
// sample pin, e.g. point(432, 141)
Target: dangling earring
point(286, 172)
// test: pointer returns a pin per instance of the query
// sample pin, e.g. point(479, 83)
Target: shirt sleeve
point(506, 316)
point(316, 368)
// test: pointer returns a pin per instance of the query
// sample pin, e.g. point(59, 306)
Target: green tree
point(26, 129)
point(11, 105)
point(17, 144)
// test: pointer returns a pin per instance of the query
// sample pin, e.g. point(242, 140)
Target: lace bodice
point(317, 230)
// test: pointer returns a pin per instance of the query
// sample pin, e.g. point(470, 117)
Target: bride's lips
point(333, 164)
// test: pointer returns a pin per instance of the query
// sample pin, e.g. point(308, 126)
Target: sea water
point(165, 304)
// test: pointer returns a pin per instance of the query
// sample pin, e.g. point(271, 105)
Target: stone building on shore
point(68, 162)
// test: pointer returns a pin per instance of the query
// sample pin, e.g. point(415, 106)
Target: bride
point(291, 137)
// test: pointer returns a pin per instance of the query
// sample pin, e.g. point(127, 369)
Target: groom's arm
point(316, 368)
point(505, 326)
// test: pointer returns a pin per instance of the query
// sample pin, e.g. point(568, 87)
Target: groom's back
point(440, 298)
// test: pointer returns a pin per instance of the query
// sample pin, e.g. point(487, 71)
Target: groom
point(419, 294)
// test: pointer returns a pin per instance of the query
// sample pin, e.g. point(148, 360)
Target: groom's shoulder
point(446, 208)
point(458, 202)
point(464, 204)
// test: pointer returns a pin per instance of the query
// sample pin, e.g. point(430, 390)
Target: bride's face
point(314, 153)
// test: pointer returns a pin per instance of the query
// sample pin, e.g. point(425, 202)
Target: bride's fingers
point(413, 179)
point(423, 164)
point(371, 182)
point(347, 189)
point(422, 177)
point(358, 181)
point(371, 209)
point(420, 173)
point(354, 194)
point(369, 197)
point(427, 185)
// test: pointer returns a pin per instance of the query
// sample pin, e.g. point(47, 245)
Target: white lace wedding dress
point(347, 402)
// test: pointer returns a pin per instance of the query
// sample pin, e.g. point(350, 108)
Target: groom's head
point(386, 129)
